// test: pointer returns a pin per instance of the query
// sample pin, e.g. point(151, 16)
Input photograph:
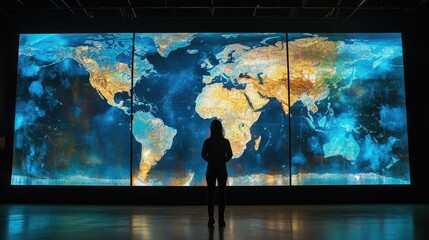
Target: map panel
point(70, 126)
point(348, 111)
point(185, 80)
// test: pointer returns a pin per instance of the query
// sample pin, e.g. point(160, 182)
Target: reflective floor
point(366, 221)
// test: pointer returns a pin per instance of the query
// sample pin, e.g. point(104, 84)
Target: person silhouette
point(216, 152)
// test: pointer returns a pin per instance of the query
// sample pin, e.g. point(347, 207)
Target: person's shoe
point(221, 223)
point(211, 223)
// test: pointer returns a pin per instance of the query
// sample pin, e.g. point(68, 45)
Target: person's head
point(216, 129)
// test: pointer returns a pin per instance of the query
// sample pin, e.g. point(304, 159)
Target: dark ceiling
point(294, 10)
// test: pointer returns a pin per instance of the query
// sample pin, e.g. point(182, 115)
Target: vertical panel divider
point(131, 109)
point(288, 102)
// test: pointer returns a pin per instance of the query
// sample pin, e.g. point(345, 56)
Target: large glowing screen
point(134, 109)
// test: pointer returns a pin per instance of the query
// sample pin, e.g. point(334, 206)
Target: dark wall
point(415, 57)
point(416, 52)
point(7, 89)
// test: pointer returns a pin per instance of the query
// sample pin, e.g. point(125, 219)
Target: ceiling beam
point(84, 9)
point(68, 7)
point(356, 9)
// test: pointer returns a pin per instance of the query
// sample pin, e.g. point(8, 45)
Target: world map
point(134, 108)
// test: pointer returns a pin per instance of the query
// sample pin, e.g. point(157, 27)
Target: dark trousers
point(211, 178)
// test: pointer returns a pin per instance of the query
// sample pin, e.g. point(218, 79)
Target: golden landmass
point(182, 178)
point(262, 70)
point(233, 109)
point(255, 97)
point(268, 75)
point(312, 63)
point(257, 143)
point(155, 138)
point(106, 80)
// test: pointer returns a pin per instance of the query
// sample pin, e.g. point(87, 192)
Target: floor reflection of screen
point(76, 94)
